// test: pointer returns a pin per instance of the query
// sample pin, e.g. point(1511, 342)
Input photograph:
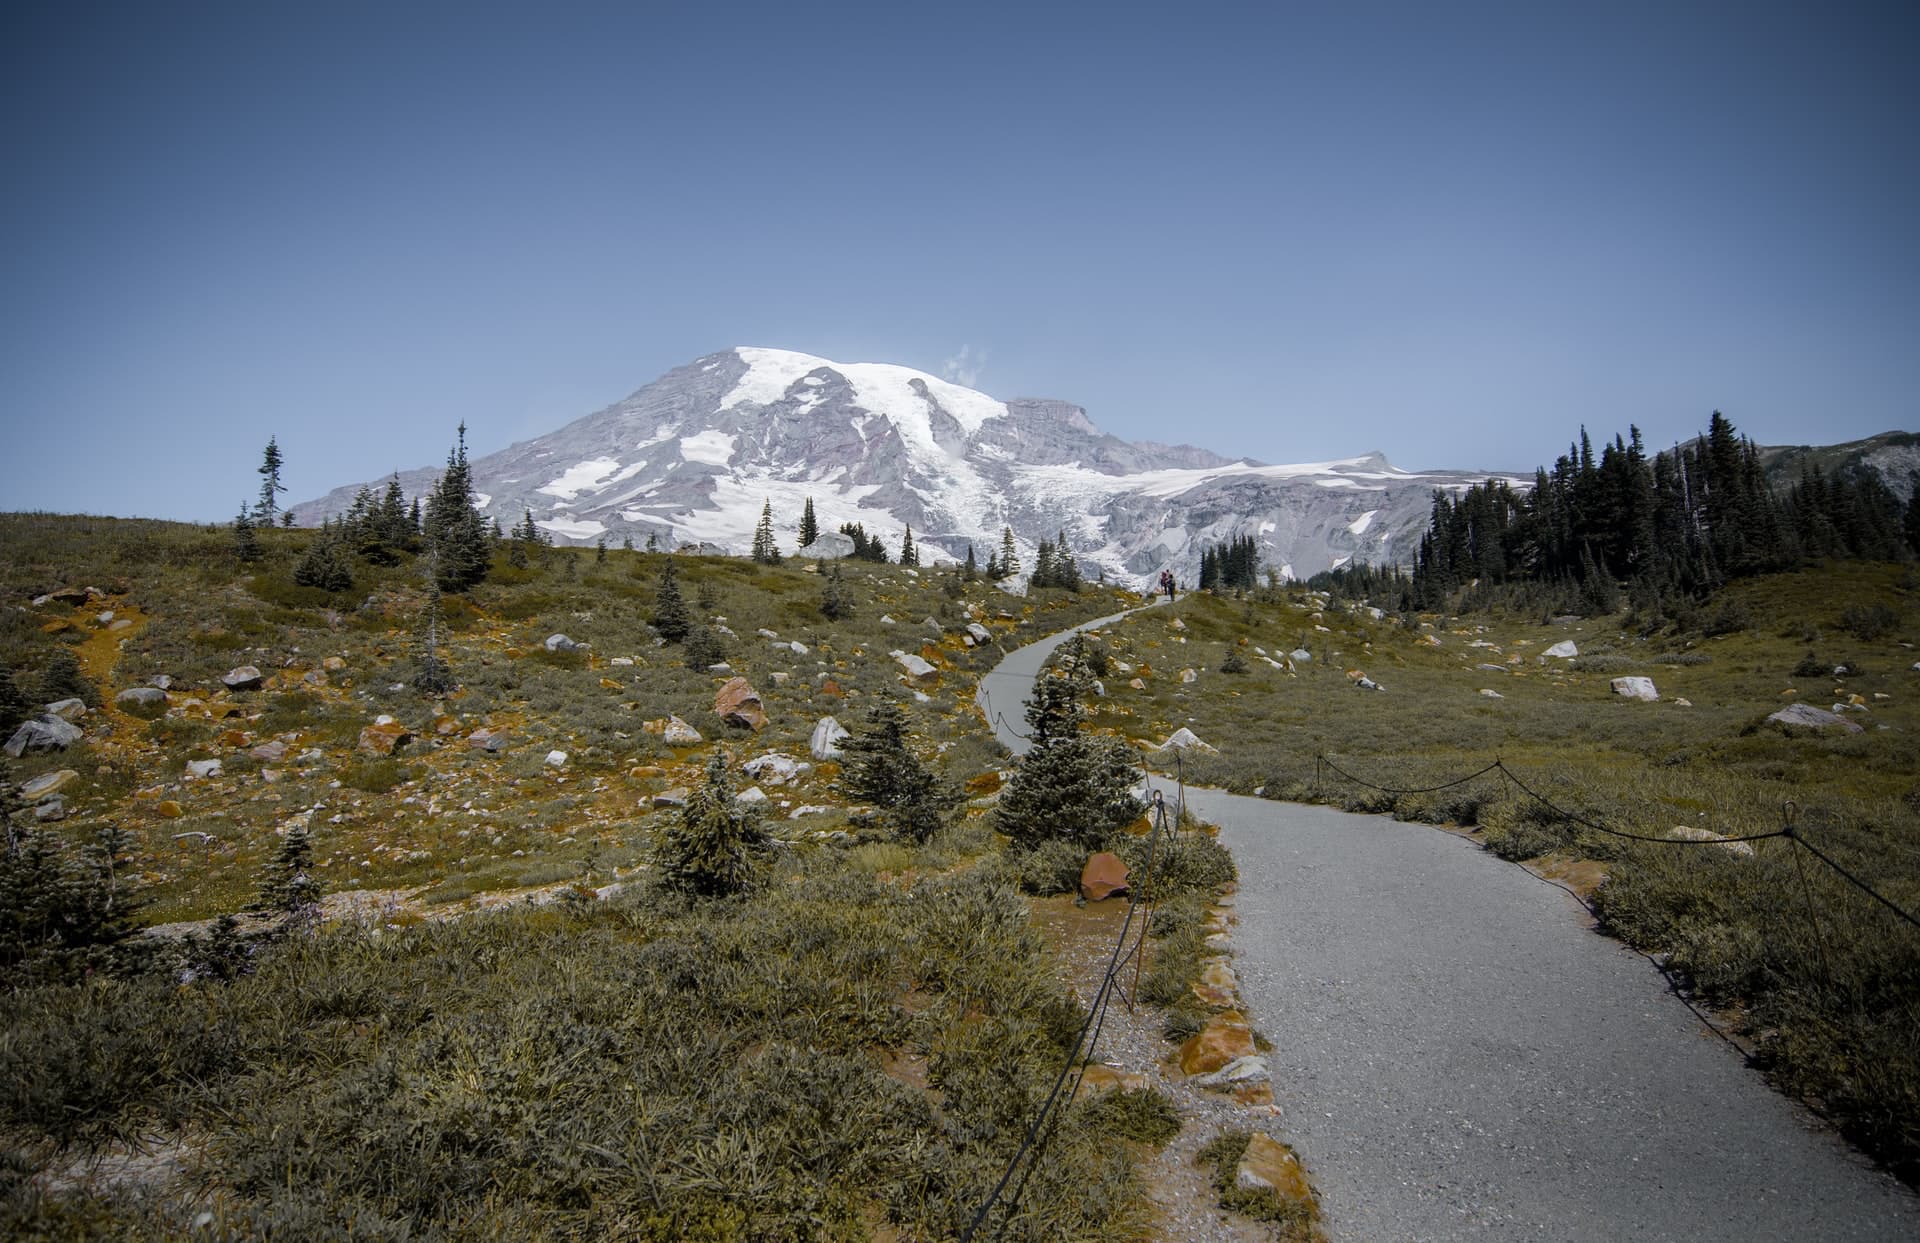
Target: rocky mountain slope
point(693, 456)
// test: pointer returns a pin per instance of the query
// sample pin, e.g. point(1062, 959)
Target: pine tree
point(1009, 556)
point(670, 620)
point(454, 528)
point(288, 886)
point(1912, 522)
point(882, 770)
point(809, 525)
point(270, 485)
point(709, 853)
point(325, 564)
point(431, 671)
point(13, 704)
point(909, 555)
point(1043, 565)
point(246, 545)
point(64, 679)
point(970, 571)
point(765, 551)
point(835, 603)
point(397, 530)
point(1070, 785)
point(600, 550)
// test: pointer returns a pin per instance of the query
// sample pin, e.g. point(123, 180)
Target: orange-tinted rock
point(645, 772)
point(738, 704)
point(1101, 1079)
point(1225, 1037)
point(1253, 1094)
point(1102, 877)
point(1269, 1165)
point(234, 738)
point(445, 725)
point(985, 783)
point(1216, 985)
point(384, 739)
point(168, 809)
point(831, 687)
point(609, 684)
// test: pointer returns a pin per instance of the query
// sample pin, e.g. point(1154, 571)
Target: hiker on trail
point(1166, 584)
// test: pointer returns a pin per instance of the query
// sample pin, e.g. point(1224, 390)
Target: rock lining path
point(1459, 1055)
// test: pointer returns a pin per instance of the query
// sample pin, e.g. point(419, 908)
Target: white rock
point(203, 768)
point(1635, 688)
point(798, 648)
point(980, 634)
point(556, 759)
point(1488, 693)
point(752, 794)
point(1566, 649)
point(1183, 739)
point(679, 734)
point(825, 743)
point(764, 633)
point(1188, 675)
point(916, 667)
point(561, 643)
point(1300, 653)
point(775, 769)
point(621, 661)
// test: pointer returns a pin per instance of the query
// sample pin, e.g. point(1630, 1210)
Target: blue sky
point(1454, 233)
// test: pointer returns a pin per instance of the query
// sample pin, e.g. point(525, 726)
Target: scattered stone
point(146, 702)
point(1689, 833)
point(916, 667)
point(1683, 702)
point(751, 795)
point(1808, 716)
point(162, 681)
point(825, 743)
point(1489, 693)
point(167, 809)
point(493, 742)
point(67, 709)
point(1365, 683)
point(244, 678)
point(738, 704)
point(1176, 624)
point(1100, 1079)
point(1269, 1165)
point(1184, 739)
point(1566, 649)
point(1300, 654)
point(203, 768)
point(780, 677)
point(1217, 985)
point(1250, 1069)
point(622, 662)
point(933, 625)
point(333, 664)
point(1188, 675)
point(722, 667)
point(775, 769)
point(677, 733)
point(764, 633)
point(270, 752)
point(1137, 685)
point(50, 810)
point(886, 619)
point(798, 648)
point(1635, 688)
point(47, 783)
point(676, 797)
point(561, 643)
point(384, 737)
point(1102, 877)
point(1225, 1037)
point(43, 733)
point(1491, 668)
point(978, 633)
point(556, 759)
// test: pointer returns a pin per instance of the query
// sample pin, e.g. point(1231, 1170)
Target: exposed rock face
point(738, 704)
point(1635, 688)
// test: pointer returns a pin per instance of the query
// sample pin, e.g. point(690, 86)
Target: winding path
point(1459, 1055)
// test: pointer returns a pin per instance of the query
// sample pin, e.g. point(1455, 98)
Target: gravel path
point(1458, 1055)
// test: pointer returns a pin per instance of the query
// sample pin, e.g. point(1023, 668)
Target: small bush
point(1146, 1116)
point(1050, 867)
point(1867, 622)
point(377, 776)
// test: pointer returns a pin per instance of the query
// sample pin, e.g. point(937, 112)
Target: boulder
point(561, 643)
point(825, 743)
point(676, 797)
point(1217, 985)
point(1566, 649)
point(47, 783)
point(1184, 739)
point(798, 648)
point(1251, 1069)
point(203, 768)
point(1102, 877)
point(1225, 1038)
point(828, 544)
point(146, 702)
point(1810, 717)
point(43, 733)
point(243, 678)
point(50, 810)
point(1635, 688)
point(677, 733)
point(916, 667)
point(556, 759)
point(1137, 685)
point(979, 633)
point(1269, 1165)
point(1689, 833)
point(384, 737)
point(1490, 693)
point(738, 704)
point(67, 709)
point(775, 769)
point(1300, 654)
point(933, 624)
point(1188, 675)
point(270, 752)
point(492, 741)
point(751, 795)
point(1099, 1079)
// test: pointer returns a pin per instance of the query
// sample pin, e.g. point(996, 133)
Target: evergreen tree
point(13, 704)
point(246, 545)
point(835, 603)
point(994, 574)
point(453, 527)
point(325, 564)
point(882, 770)
point(670, 620)
point(1043, 565)
point(1009, 556)
point(1912, 521)
point(709, 852)
point(703, 647)
point(398, 531)
point(600, 550)
point(970, 571)
point(1070, 785)
point(909, 555)
point(270, 485)
point(63, 912)
point(288, 886)
point(431, 672)
point(1066, 569)
point(809, 525)
point(64, 679)
point(765, 551)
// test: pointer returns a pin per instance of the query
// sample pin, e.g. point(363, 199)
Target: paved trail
point(1458, 1055)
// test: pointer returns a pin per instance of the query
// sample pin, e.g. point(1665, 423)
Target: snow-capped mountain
point(693, 456)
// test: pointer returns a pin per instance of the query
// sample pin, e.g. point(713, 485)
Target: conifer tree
point(669, 610)
point(397, 530)
point(246, 545)
point(765, 551)
point(1070, 785)
point(970, 571)
point(709, 852)
point(1912, 522)
point(809, 525)
point(64, 679)
point(1009, 556)
point(453, 527)
point(835, 603)
point(270, 485)
point(1066, 570)
point(600, 550)
point(909, 555)
point(1043, 565)
point(882, 770)
point(325, 564)
point(13, 704)
point(288, 886)
point(431, 671)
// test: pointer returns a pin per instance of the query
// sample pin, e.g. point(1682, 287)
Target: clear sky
point(1451, 232)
